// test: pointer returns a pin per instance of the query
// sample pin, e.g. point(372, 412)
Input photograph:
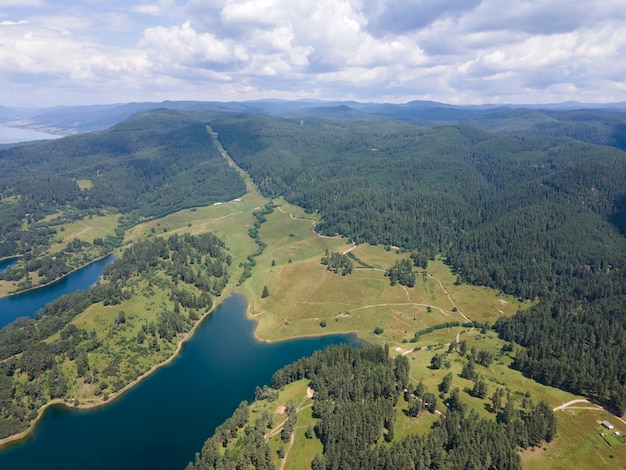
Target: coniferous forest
point(191, 270)
point(531, 203)
point(356, 393)
point(539, 217)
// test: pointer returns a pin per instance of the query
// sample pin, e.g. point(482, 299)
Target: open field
point(303, 293)
point(578, 445)
point(85, 230)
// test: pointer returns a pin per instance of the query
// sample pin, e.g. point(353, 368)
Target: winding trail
point(313, 222)
point(443, 287)
point(592, 406)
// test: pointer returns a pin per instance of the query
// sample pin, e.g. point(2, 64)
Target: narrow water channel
point(25, 304)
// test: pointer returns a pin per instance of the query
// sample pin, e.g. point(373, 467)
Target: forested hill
point(357, 395)
point(525, 214)
point(152, 164)
point(536, 216)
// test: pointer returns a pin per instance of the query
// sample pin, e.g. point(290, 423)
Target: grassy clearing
point(85, 230)
point(303, 294)
point(611, 438)
point(578, 444)
point(84, 184)
point(479, 303)
point(7, 287)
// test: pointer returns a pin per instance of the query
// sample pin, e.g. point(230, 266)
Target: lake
point(27, 303)
point(10, 135)
point(163, 421)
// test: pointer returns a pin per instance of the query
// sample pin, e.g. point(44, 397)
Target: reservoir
point(163, 421)
point(9, 135)
point(25, 304)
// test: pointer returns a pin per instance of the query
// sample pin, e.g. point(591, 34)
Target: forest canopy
point(537, 214)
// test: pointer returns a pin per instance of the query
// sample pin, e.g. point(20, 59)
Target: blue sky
point(457, 51)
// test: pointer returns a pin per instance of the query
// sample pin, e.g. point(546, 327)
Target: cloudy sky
point(456, 51)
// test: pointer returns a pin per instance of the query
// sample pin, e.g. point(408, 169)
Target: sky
point(70, 52)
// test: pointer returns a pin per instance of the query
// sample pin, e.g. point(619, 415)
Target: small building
point(607, 425)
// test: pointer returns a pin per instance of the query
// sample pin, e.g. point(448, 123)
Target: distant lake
point(25, 304)
point(10, 135)
point(163, 421)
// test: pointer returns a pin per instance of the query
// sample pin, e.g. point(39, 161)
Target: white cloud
point(447, 50)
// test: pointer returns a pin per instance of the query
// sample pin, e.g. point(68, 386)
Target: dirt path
point(284, 459)
point(569, 403)
point(313, 222)
point(354, 245)
point(443, 287)
point(442, 311)
point(592, 406)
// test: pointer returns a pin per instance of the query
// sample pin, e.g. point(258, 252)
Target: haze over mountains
point(65, 120)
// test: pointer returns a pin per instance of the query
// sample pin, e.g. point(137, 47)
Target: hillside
point(507, 204)
point(150, 165)
point(539, 217)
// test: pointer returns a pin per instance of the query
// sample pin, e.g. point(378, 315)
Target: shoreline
point(228, 292)
point(15, 438)
point(249, 316)
point(13, 294)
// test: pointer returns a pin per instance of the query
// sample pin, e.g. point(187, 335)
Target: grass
point(303, 293)
point(577, 445)
point(84, 184)
point(85, 230)
point(612, 439)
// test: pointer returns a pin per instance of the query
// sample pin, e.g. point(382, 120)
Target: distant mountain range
point(65, 120)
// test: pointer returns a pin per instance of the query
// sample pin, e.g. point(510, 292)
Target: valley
point(489, 226)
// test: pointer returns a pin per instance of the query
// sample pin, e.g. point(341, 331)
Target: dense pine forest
point(541, 217)
point(355, 396)
point(147, 166)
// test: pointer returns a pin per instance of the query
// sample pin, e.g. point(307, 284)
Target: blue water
point(163, 421)
point(7, 263)
point(27, 303)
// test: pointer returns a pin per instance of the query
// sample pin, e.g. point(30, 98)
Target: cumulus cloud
point(393, 17)
point(465, 51)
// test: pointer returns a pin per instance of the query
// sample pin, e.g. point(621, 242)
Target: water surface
point(10, 135)
point(25, 304)
point(163, 421)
